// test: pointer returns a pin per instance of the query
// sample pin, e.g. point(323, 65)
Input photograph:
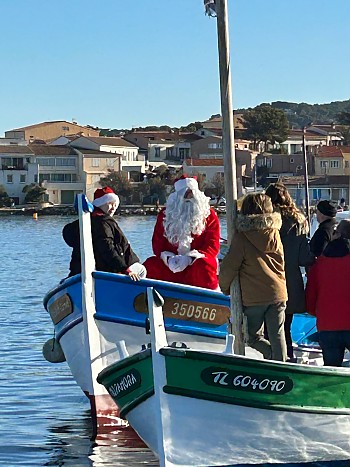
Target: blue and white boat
point(93, 311)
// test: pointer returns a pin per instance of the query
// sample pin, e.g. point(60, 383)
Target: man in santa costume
point(186, 238)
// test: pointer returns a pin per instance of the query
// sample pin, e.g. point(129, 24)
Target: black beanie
point(327, 208)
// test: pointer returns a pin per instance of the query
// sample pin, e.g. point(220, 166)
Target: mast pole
point(229, 161)
point(306, 178)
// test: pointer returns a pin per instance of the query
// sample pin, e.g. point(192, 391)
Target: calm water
point(44, 417)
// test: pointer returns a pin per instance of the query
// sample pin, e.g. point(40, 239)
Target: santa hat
point(190, 183)
point(105, 195)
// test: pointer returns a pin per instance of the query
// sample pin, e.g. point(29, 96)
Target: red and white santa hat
point(105, 195)
point(190, 183)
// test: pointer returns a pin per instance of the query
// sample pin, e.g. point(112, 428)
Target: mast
point(218, 8)
point(306, 179)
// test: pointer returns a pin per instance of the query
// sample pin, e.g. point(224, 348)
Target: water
point(44, 417)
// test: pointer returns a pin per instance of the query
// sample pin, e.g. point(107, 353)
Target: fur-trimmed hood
point(261, 230)
point(259, 222)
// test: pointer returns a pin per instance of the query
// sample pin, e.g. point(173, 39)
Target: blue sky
point(124, 63)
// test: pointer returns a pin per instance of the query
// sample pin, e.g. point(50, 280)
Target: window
point(291, 160)
point(65, 161)
point(334, 165)
point(184, 153)
point(46, 161)
point(95, 162)
point(215, 145)
point(110, 162)
point(269, 163)
point(346, 164)
point(9, 178)
point(56, 177)
point(22, 178)
point(324, 164)
point(169, 152)
point(157, 151)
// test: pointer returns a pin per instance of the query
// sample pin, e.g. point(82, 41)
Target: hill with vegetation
point(303, 114)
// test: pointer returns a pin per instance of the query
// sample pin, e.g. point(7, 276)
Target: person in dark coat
point(293, 232)
point(112, 251)
point(325, 213)
point(71, 236)
point(327, 297)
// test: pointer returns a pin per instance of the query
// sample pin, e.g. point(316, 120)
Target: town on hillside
point(51, 162)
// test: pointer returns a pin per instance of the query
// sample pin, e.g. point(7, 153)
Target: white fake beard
point(184, 218)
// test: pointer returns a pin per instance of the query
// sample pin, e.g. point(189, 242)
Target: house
point(294, 142)
point(18, 169)
point(332, 187)
point(210, 167)
point(163, 147)
point(278, 165)
point(47, 131)
point(332, 160)
point(131, 162)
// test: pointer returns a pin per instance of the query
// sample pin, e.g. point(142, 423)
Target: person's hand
point(134, 276)
point(137, 271)
point(179, 262)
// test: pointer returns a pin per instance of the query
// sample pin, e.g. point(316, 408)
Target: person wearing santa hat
point(112, 250)
point(186, 238)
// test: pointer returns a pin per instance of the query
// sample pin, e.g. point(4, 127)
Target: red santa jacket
point(327, 293)
point(208, 242)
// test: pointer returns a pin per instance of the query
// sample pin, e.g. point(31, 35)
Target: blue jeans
point(333, 345)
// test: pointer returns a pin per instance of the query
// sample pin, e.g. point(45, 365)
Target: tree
point(344, 118)
point(265, 124)
point(118, 181)
point(34, 193)
point(219, 183)
point(5, 201)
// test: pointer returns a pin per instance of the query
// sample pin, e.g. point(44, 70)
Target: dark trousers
point(287, 332)
point(333, 345)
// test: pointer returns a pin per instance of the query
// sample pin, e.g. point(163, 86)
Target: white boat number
point(222, 378)
point(193, 311)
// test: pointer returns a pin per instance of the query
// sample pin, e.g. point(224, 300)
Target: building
point(47, 131)
point(18, 169)
point(131, 162)
point(332, 160)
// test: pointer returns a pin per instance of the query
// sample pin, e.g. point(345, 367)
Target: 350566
point(187, 310)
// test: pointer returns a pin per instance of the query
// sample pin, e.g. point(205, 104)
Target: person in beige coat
point(256, 257)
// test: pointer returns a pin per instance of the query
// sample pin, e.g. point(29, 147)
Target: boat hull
point(247, 411)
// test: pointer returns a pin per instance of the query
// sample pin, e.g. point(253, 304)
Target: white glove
point(179, 262)
point(139, 269)
point(195, 254)
point(165, 255)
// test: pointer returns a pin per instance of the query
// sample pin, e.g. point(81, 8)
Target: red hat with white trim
point(105, 195)
point(190, 183)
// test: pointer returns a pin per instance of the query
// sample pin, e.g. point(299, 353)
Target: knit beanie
point(327, 208)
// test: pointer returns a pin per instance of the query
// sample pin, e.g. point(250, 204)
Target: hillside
point(302, 114)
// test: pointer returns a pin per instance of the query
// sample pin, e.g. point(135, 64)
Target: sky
point(129, 63)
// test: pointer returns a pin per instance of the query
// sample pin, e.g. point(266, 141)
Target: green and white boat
point(200, 408)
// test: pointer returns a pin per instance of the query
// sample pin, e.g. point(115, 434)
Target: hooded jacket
point(256, 257)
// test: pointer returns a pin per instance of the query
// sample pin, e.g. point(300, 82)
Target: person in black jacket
point(112, 251)
point(293, 232)
point(326, 212)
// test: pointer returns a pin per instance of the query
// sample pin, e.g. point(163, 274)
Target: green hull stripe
point(135, 402)
point(254, 404)
point(120, 365)
point(251, 363)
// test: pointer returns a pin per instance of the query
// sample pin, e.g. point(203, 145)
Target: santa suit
point(203, 271)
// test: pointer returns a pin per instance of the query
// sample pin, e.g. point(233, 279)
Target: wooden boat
point(94, 310)
point(202, 408)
